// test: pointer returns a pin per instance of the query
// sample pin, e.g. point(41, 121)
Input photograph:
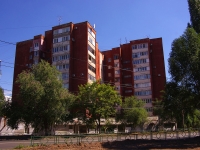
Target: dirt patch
point(193, 143)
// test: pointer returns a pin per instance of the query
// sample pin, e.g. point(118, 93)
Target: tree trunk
point(183, 120)
point(99, 125)
point(45, 128)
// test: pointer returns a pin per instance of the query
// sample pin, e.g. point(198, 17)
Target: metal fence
point(88, 138)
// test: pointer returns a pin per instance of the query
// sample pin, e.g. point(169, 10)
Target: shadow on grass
point(153, 144)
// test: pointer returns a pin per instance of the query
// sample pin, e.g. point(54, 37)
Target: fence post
point(165, 135)
point(189, 133)
point(151, 135)
point(31, 141)
point(199, 131)
point(77, 139)
point(99, 137)
point(177, 136)
point(118, 137)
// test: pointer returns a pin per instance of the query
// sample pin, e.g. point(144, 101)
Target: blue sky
point(115, 21)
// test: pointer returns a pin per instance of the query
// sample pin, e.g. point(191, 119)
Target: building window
point(109, 59)
point(30, 57)
point(55, 40)
point(61, 57)
point(116, 57)
point(91, 49)
point(35, 62)
point(126, 69)
point(61, 48)
point(128, 91)
point(142, 93)
point(147, 100)
point(66, 47)
point(36, 53)
point(127, 76)
point(140, 61)
point(141, 77)
point(36, 44)
point(91, 59)
point(65, 76)
point(67, 29)
point(90, 77)
point(55, 32)
point(66, 85)
point(91, 68)
point(126, 61)
point(91, 40)
point(65, 38)
point(117, 88)
point(116, 64)
point(109, 67)
point(61, 67)
point(117, 79)
point(90, 31)
point(137, 55)
point(141, 85)
point(140, 46)
point(141, 69)
point(149, 109)
point(117, 72)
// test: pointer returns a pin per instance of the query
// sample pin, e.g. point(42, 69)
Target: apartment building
point(72, 48)
point(137, 68)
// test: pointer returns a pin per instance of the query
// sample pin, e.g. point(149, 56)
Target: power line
point(79, 60)
point(7, 66)
point(7, 42)
point(24, 27)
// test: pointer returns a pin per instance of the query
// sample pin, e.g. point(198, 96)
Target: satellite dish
point(94, 26)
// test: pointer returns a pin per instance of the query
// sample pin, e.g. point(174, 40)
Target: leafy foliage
point(1, 94)
point(184, 61)
point(43, 100)
point(97, 101)
point(2, 101)
point(134, 112)
point(178, 104)
point(194, 9)
point(182, 93)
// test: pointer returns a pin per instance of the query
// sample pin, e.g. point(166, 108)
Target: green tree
point(158, 110)
point(2, 101)
point(194, 9)
point(178, 104)
point(182, 93)
point(184, 63)
point(43, 100)
point(1, 94)
point(134, 112)
point(97, 101)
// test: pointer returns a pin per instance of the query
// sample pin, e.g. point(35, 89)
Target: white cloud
point(7, 93)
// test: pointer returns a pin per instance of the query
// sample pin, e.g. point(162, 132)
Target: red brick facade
point(139, 70)
point(136, 68)
point(79, 59)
